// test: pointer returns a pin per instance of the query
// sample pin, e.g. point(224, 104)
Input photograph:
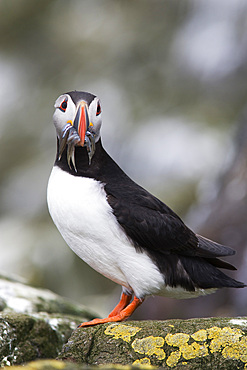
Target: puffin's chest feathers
point(80, 210)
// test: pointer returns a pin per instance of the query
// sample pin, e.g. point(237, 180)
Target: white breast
point(79, 209)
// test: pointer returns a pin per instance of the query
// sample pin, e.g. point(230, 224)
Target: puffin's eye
point(63, 105)
point(98, 109)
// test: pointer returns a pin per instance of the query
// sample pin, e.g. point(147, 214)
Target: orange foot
point(120, 313)
point(123, 303)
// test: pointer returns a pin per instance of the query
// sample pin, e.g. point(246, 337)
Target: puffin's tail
point(205, 274)
point(209, 248)
point(203, 269)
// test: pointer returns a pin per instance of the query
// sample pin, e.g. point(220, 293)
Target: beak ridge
point(81, 121)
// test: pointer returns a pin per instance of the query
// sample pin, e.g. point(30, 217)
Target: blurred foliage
point(172, 79)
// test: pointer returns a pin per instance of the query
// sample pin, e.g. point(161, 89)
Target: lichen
point(177, 340)
point(173, 359)
point(42, 365)
point(231, 343)
point(200, 335)
point(120, 331)
point(190, 351)
point(223, 337)
point(236, 351)
point(150, 346)
point(144, 363)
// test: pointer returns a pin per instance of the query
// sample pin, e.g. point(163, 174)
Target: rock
point(25, 338)
point(37, 324)
point(16, 296)
point(62, 365)
point(34, 323)
point(197, 343)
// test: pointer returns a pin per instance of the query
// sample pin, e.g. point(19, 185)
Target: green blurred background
point(172, 78)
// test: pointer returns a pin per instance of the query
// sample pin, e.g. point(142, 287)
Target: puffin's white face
point(65, 112)
point(77, 121)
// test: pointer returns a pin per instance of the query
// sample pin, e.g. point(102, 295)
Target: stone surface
point(37, 324)
point(192, 344)
point(16, 296)
point(62, 365)
point(24, 338)
point(34, 323)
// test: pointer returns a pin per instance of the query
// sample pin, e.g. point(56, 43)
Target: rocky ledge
point(34, 323)
point(38, 324)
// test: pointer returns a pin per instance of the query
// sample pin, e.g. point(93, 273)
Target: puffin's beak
point(81, 121)
point(77, 133)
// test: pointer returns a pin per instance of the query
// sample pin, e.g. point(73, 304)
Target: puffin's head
point(77, 119)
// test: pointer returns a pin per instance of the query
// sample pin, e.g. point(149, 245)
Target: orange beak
point(81, 121)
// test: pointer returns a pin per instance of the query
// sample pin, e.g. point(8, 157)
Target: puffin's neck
point(82, 161)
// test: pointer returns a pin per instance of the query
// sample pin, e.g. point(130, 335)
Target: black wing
point(152, 225)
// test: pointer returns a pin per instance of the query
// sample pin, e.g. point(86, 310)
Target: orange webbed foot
point(117, 314)
point(124, 302)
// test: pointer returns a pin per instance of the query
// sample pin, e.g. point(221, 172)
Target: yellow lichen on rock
point(144, 363)
point(236, 351)
point(41, 364)
point(194, 350)
point(213, 332)
point(224, 337)
point(120, 331)
point(150, 346)
point(173, 359)
point(200, 335)
point(231, 343)
point(177, 339)
point(188, 351)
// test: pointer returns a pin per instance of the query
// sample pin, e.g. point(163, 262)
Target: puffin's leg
point(121, 316)
point(124, 301)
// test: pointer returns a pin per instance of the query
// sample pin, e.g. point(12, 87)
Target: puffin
point(119, 228)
